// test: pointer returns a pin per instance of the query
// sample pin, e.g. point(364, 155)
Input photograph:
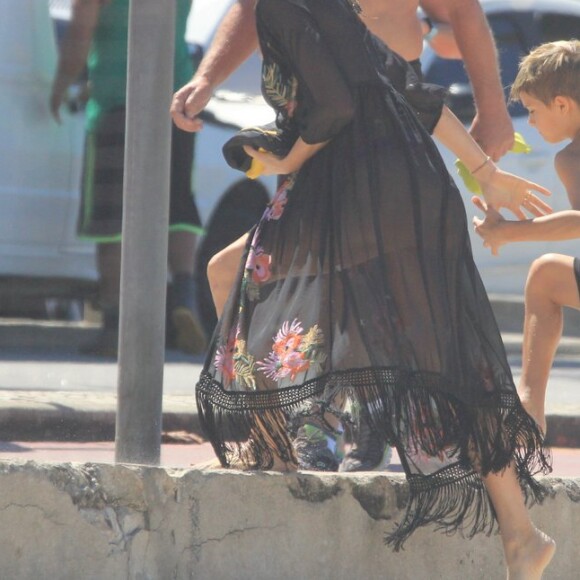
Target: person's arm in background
point(492, 127)
point(74, 49)
point(440, 37)
point(234, 42)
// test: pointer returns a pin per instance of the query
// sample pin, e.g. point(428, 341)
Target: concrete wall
point(114, 522)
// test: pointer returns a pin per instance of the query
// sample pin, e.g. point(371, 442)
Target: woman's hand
point(502, 189)
point(297, 156)
point(489, 228)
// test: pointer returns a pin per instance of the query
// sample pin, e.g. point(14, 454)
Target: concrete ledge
point(90, 521)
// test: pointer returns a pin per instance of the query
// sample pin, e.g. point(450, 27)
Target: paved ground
point(58, 405)
point(59, 395)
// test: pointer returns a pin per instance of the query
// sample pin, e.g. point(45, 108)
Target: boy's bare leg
point(222, 270)
point(551, 285)
point(527, 550)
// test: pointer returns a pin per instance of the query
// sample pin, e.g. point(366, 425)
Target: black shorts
point(577, 273)
point(101, 213)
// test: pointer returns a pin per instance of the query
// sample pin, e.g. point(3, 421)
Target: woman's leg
point(551, 285)
point(527, 550)
point(222, 270)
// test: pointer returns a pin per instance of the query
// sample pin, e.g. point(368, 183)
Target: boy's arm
point(562, 225)
point(568, 168)
point(497, 231)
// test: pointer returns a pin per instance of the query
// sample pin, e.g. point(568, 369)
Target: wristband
point(487, 160)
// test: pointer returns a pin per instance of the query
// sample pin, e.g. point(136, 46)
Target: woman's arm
point(500, 189)
point(298, 155)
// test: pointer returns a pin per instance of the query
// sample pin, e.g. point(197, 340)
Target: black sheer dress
point(359, 283)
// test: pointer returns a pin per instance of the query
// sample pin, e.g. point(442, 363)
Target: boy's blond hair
point(550, 70)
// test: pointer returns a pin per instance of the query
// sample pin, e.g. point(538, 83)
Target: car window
point(558, 27)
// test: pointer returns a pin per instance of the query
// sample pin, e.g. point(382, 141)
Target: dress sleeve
point(426, 99)
point(325, 105)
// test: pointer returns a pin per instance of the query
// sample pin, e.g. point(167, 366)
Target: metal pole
point(145, 230)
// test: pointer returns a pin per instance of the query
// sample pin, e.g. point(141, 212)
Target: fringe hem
point(454, 499)
point(414, 413)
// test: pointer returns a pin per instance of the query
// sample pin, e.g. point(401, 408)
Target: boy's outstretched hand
point(489, 228)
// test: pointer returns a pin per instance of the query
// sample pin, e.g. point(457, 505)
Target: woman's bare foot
point(526, 560)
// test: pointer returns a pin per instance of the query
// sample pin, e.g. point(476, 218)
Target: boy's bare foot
point(537, 414)
point(527, 560)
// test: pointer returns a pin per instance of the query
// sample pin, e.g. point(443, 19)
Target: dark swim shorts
point(577, 273)
point(101, 213)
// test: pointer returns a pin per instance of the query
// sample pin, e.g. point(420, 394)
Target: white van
point(40, 164)
point(41, 161)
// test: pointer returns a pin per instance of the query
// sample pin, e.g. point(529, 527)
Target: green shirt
point(107, 62)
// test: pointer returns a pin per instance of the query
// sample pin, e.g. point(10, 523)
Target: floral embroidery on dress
point(224, 358)
point(244, 364)
point(258, 270)
point(279, 90)
point(294, 352)
point(259, 263)
point(234, 362)
point(276, 207)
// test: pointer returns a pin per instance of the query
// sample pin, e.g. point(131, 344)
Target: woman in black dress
point(359, 284)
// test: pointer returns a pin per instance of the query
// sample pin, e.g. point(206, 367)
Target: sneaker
point(189, 335)
point(368, 453)
point(318, 449)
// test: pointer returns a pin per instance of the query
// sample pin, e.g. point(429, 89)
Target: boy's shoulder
point(568, 156)
point(567, 164)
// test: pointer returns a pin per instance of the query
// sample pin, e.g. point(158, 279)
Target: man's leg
point(552, 284)
point(185, 329)
point(109, 268)
point(188, 333)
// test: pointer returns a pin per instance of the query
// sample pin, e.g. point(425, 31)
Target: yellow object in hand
point(256, 167)
point(519, 146)
point(470, 182)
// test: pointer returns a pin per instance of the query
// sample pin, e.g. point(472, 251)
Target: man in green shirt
point(97, 38)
